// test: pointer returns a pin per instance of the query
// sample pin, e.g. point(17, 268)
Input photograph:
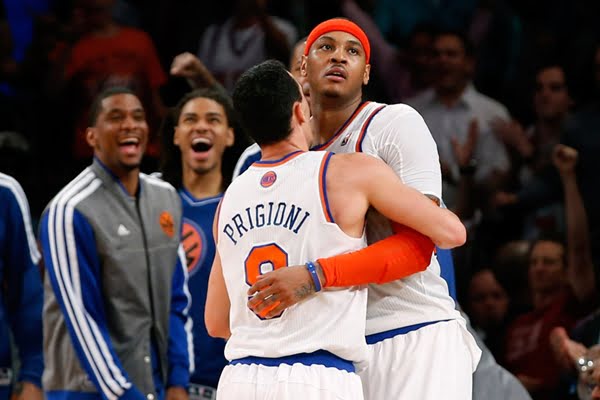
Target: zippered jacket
point(116, 299)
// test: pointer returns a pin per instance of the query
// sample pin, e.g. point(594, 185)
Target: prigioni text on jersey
point(288, 216)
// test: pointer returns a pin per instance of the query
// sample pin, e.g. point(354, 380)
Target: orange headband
point(339, 24)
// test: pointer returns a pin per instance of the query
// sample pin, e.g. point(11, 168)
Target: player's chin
point(332, 92)
point(131, 164)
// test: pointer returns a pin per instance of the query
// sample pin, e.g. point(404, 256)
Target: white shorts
point(430, 363)
point(288, 382)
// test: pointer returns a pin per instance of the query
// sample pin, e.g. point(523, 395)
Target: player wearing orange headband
point(413, 329)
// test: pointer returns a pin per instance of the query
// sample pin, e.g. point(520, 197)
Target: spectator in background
point(531, 148)
point(496, 33)
point(581, 134)
point(110, 55)
point(397, 18)
point(21, 295)
point(563, 290)
point(247, 38)
point(192, 157)
point(578, 133)
point(459, 116)
point(405, 72)
point(116, 300)
point(488, 308)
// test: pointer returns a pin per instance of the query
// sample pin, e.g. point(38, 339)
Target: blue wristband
point(313, 274)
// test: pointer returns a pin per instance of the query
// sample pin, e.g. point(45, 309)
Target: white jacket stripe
point(19, 194)
point(64, 258)
point(188, 323)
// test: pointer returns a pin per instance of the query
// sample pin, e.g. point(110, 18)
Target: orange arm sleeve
point(398, 256)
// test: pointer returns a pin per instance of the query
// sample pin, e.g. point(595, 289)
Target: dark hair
point(170, 155)
point(553, 237)
point(96, 107)
point(548, 64)
point(462, 37)
point(263, 98)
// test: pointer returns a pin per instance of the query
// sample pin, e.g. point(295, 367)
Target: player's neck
point(451, 96)
point(281, 149)
point(130, 181)
point(543, 298)
point(328, 117)
point(201, 186)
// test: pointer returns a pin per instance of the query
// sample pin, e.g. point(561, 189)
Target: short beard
point(332, 94)
point(131, 167)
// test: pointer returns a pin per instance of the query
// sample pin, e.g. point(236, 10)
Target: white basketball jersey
point(398, 135)
point(273, 215)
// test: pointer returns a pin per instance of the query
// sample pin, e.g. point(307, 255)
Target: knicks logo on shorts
point(193, 239)
point(268, 179)
point(166, 223)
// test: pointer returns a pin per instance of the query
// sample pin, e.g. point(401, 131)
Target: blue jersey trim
point(190, 198)
point(447, 270)
point(324, 186)
point(363, 133)
point(378, 337)
point(320, 357)
point(337, 133)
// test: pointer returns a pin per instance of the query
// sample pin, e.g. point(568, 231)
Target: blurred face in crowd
point(452, 66)
point(98, 13)
point(246, 8)
point(488, 301)
point(546, 266)
point(202, 134)
point(551, 99)
point(295, 67)
point(120, 134)
point(420, 53)
point(336, 67)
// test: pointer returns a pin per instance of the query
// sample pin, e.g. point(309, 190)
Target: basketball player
point(413, 329)
point(287, 208)
point(193, 147)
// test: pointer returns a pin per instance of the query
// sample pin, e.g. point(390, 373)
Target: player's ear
point(176, 137)
point(367, 74)
point(303, 66)
point(229, 137)
point(90, 136)
point(299, 114)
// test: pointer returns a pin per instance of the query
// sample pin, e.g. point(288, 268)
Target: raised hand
point(187, 65)
point(512, 134)
point(463, 152)
point(564, 159)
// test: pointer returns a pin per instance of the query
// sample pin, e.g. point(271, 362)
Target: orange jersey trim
point(363, 131)
point(275, 163)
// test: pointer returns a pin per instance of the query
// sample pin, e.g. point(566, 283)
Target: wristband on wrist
point(310, 266)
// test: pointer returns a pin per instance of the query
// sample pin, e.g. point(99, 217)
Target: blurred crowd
point(510, 91)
